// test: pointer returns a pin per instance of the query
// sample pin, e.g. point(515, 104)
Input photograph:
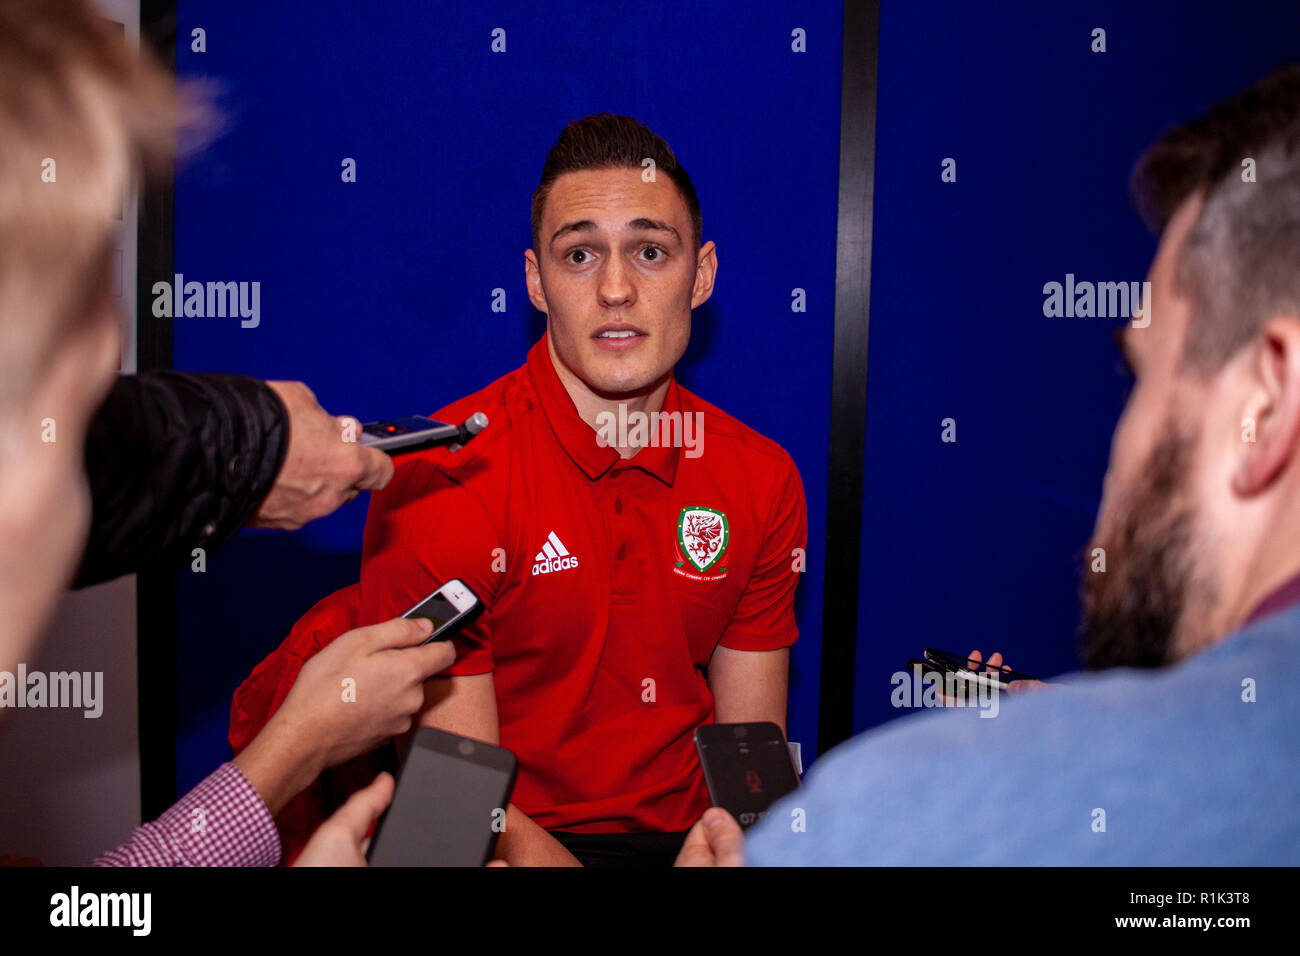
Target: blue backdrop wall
point(976, 543)
point(972, 543)
point(378, 293)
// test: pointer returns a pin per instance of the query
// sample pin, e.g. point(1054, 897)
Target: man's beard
point(1135, 611)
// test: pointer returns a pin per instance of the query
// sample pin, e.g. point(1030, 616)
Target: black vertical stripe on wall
point(849, 371)
point(156, 590)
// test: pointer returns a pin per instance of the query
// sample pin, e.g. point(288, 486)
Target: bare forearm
point(278, 765)
point(524, 843)
point(749, 686)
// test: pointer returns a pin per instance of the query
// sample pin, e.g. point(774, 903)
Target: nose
point(615, 286)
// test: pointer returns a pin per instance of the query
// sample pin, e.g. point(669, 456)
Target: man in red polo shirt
point(637, 549)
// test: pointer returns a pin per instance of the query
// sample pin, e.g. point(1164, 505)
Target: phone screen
point(437, 609)
point(450, 804)
point(747, 767)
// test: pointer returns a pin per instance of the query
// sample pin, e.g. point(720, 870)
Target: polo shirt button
point(618, 505)
point(622, 551)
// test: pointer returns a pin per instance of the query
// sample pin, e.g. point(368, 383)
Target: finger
point(995, 662)
point(364, 807)
point(376, 469)
point(398, 632)
point(975, 658)
point(1025, 686)
point(726, 838)
point(695, 851)
point(433, 658)
point(497, 863)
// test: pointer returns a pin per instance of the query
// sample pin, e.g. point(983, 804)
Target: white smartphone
point(450, 607)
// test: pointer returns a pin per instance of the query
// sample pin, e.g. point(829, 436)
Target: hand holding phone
point(450, 608)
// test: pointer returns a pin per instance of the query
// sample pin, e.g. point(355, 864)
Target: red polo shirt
point(608, 583)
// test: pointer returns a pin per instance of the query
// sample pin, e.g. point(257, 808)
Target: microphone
point(471, 427)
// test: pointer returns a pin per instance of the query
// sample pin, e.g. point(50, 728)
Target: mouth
point(618, 336)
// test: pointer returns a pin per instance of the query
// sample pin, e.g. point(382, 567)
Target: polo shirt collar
point(1278, 601)
point(578, 439)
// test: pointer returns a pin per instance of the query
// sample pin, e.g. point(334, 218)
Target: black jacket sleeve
point(177, 461)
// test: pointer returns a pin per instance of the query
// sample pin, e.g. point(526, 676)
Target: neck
point(1261, 579)
point(591, 404)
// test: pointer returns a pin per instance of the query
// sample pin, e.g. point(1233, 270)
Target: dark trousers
point(622, 849)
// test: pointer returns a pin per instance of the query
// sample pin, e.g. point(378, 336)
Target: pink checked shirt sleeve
point(221, 822)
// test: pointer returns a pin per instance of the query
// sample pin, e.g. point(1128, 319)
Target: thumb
point(695, 850)
point(377, 470)
point(364, 807)
point(398, 632)
point(433, 658)
point(726, 838)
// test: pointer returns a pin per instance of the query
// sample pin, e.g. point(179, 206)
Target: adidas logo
point(554, 556)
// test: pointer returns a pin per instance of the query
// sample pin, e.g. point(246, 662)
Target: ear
point(533, 279)
point(706, 270)
point(1272, 411)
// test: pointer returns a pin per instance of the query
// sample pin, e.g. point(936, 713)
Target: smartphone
point(747, 767)
point(948, 663)
point(961, 680)
point(407, 434)
point(450, 803)
point(450, 607)
point(398, 436)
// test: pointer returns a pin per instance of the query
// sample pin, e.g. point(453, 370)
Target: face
point(44, 496)
point(617, 275)
point(1150, 604)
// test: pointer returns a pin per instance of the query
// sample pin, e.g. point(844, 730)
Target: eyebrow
point(586, 225)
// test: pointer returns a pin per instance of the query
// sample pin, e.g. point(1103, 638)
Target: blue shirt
point(1176, 765)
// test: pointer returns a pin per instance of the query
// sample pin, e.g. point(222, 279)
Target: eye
point(653, 253)
point(576, 252)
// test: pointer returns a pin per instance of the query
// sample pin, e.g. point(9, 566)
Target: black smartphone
point(407, 434)
point(450, 803)
point(747, 767)
point(946, 662)
point(450, 607)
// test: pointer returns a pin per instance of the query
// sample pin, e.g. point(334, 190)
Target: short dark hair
point(1240, 262)
point(611, 141)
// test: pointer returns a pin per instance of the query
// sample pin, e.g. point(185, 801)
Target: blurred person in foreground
point(71, 91)
point(1185, 751)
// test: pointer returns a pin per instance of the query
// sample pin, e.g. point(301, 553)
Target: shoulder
point(729, 435)
point(509, 404)
point(1150, 750)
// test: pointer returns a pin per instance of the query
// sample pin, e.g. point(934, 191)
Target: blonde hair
point(80, 114)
